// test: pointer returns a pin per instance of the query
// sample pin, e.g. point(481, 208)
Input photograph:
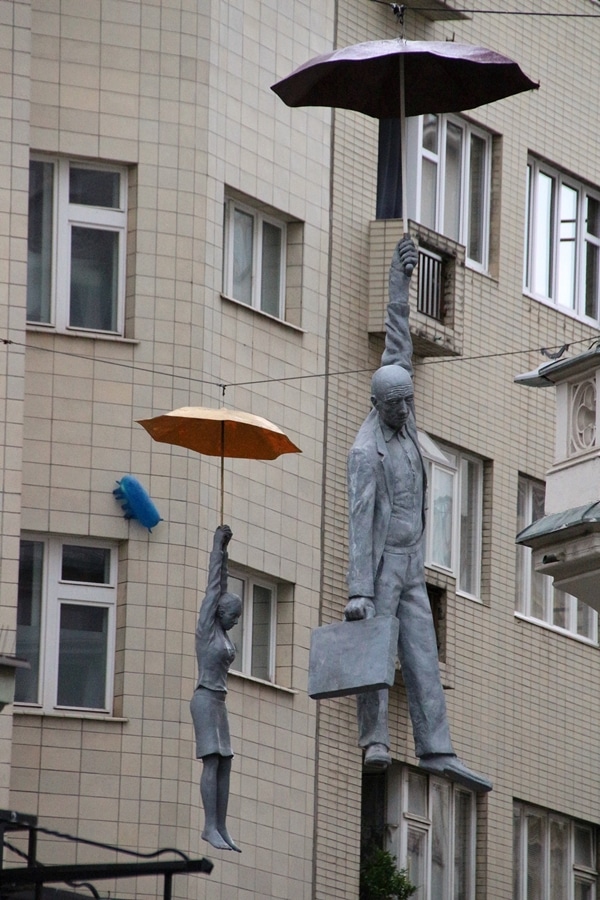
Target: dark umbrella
point(398, 78)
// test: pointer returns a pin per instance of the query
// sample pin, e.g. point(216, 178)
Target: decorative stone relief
point(583, 417)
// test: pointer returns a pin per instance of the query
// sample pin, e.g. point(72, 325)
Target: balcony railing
point(430, 298)
point(436, 292)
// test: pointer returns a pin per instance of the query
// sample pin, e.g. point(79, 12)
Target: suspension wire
point(222, 386)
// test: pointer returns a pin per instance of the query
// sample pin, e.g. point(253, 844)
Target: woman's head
point(229, 610)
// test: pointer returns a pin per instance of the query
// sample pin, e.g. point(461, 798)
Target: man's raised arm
point(398, 343)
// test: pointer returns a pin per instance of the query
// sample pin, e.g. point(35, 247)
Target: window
point(450, 185)
point(554, 857)
point(453, 530)
point(66, 623)
point(255, 258)
point(536, 597)
point(562, 253)
point(254, 635)
point(430, 825)
point(76, 245)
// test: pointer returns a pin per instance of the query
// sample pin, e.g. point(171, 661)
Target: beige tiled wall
point(180, 93)
point(15, 25)
point(524, 706)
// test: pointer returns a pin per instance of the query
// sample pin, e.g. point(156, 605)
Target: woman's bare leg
point(209, 790)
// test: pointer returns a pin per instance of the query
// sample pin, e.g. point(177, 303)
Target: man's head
point(229, 610)
point(391, 391)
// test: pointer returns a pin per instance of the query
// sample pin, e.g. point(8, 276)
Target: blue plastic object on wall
point(136, 503)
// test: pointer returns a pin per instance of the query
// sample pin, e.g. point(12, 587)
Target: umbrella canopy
point(220, 432)
point(439, 77)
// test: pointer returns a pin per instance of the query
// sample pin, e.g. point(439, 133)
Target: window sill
point(270, 684)
point(67, 714)
point(73, 333)
point(472, 597)
point(554, 628)
point(264, 315)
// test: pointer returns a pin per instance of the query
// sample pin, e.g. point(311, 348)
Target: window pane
point(584, 846)
point(470, 521)
point(584, 890)
point(452, 186)
point(261, 632)
point(243, 251)
point(523, 553)
point(476, 206)
point(463, 805)
point(39, 241)
point(416, 859)
point(560, 609)
point(83, 651)
point(535, 858)
point(439, 839)
point(94, 188)
point(90, 565)
point(236, 634)
point(592, 279)
point(430, 133)
point(417, 794)
point(29, 619)
point(529, 200)
point(567, 253)
point(517, 894)
point(442, 504)
point(543, 234)
point(271, 269)
point(592, 216)
point(559, 860)
point(540, 584)
point(429, 194)
point(94, 278)
point(586, 619)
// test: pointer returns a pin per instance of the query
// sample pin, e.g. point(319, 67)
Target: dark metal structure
point(28, 881)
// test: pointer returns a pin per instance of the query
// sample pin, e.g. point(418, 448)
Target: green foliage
point(381, 880)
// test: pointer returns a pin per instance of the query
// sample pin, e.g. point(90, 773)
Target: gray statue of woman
point(215, 652)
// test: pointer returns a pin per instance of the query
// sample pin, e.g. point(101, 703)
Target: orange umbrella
point(220, 432)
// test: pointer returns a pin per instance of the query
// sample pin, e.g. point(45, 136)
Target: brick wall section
point(15, 54)
point(524, 707)
point(179, 92)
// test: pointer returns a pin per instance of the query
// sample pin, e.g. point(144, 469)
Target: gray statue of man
point(386, 489)
point(219, 612)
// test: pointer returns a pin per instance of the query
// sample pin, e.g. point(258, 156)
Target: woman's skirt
point(209, 715)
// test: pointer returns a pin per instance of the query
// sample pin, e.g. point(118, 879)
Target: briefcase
point(352, 657)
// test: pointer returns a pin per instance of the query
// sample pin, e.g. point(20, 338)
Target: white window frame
point(576, 872)
point(440, 459)
point(540, 245)
point(55, 592)
point(243, 662)
point(65, 216)
point(524, 574)
point(259, 218)
point(438, 158)
point(401, 820)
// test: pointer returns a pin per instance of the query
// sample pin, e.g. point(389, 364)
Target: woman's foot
point(216, 839)
point(227, 837)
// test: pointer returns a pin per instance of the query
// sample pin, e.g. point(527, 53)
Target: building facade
point(175, 236)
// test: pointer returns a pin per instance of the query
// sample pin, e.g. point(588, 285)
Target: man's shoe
point(377, 756)
point(451, 766)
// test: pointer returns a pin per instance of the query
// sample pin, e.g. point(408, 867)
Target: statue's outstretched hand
point(359, 608)
point(223, 535)
point(406, 255)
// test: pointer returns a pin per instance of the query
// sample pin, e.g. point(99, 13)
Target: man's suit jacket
point(370, 473)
